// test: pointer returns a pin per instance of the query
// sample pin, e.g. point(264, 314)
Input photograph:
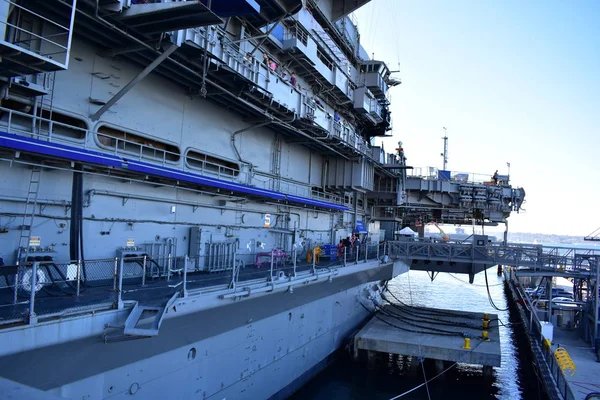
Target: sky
point(513, 82)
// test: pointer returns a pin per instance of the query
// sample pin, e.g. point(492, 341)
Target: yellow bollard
point(564, 361)
point(486, 316)
point(546, 343)
point(467, 345)
point(485, 337)
point(486, 324)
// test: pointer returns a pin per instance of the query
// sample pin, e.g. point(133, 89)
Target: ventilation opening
point(212, 164)
point(317, 191)
point(17, 117)
point(324, 58)
point(124, 142)
point(63, 125)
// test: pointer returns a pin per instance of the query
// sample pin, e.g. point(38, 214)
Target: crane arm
point(445, 237)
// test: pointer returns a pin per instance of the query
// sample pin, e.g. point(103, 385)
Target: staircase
point(332, 48)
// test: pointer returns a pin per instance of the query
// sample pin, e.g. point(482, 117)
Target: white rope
point(424, 383)
point(425, 376)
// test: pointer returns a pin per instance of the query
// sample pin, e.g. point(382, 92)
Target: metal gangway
point(528, 259)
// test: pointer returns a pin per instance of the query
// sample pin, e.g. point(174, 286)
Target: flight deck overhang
point(341, 8)
point(231, 79)
point(271, 10)
point(163, 17)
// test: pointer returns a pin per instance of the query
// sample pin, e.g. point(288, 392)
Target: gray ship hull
point(261, 347)
point(172, 173)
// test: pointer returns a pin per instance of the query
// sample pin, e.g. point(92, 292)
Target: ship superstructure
point(182, 172)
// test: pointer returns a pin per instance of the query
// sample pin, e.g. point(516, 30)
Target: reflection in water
point(515, 379)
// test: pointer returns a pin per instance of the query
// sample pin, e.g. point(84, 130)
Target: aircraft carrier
point(193, 202)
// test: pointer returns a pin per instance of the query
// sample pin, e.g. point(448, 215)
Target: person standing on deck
point(340, 248)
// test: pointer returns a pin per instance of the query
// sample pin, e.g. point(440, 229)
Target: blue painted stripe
point(52, 149)
point(316, 203)
point(62, 151)
point(201, 180)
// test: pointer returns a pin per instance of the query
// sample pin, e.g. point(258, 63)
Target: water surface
point(513, 380)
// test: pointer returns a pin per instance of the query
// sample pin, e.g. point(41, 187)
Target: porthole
point(192, 354)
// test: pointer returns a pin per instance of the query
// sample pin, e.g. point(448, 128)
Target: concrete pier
point(379, 336)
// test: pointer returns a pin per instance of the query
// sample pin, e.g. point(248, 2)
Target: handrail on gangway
point(531, 257)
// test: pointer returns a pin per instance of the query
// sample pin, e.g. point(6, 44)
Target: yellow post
point(486, 324)
point(564, 361)
point(467, 345)
point(485, 336)
point(486, 316)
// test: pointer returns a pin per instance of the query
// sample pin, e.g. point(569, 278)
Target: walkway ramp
point(474, 257)
point(138, 322)
point(138, 315)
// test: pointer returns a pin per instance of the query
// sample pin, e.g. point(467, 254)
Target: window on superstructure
point(124, 142)
point(211, 163)
point(324, 58)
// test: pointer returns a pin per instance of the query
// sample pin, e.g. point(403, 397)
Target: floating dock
point(386, 333)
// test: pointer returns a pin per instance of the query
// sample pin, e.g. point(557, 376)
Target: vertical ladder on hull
point(239, 216)
point(47, 103)
point(277, 163)
point(340, 220)
point(29, 213)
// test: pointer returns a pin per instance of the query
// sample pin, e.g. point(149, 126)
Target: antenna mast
point(445, 153)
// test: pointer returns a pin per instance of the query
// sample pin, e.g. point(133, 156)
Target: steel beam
point(168, 51)
point(266, 35)
point(596, 304)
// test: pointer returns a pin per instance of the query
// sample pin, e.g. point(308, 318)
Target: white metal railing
point(275, 83)
point(542, 347)
point(458, 176)
point(49, 130)
point(534, 258)
point(46, 289)
point(40, 128)
point(52, 42)
point(29, 125)
point(126, 147)
point(210, 167)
